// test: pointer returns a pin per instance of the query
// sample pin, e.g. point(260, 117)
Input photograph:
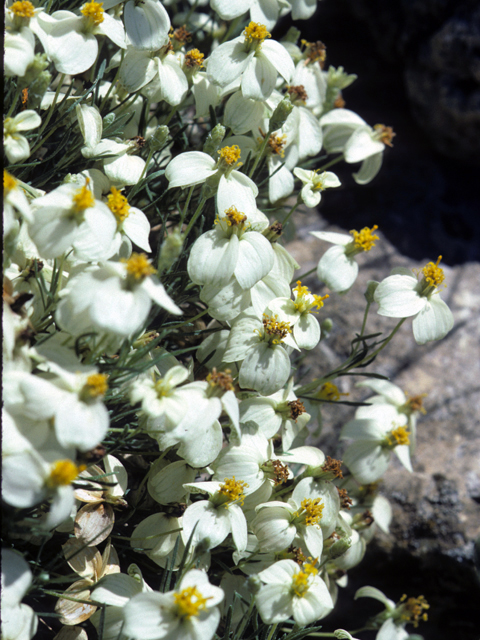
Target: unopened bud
point(214, 140)
point(371, 288)
point(36, 79)
point(293, 35)
point(273, 232)
point(159, 138)
point(108, 120)
point(171, 249)
point(326, 326)
point(253, 584)
point(282, 111)
point(338, 548)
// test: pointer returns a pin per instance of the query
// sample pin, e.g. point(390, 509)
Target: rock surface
point(436, 510)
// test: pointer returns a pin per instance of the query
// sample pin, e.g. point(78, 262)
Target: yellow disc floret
point(275, 331)
point(305, 301)
point(83, 198)
point(63, 472)
point(23, 9)
point(365, 239)
point(95, 386)
point(310, 511)
point(189, 602)
point(118, 205)
point(9, 183)
point(397, 436)
point(301, 581)
point(233, 491)
point(221, 379)
point(139, 266)
point(230, 155)
point(256, 33)
point(413, 609)
point(93, 12)
point(433, 274)
point(234, 217)
point(194, 59)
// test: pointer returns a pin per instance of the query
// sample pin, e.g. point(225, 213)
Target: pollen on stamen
point(221, 379)
point(312, 511)
point(234, 217)
point(96, 385)
point(333, 466)
point(83, 198)
point(63, 473)
point(329, 391)
point(256, 32)
point(297, 92)
point(315, 52)
point(9, 183)
point(233, 490)
point(139, 266)
point(365, 239)
point(413, 609)
point(275, 329)
point(398, 436)
point(93, 11)
point(189, 602)
point(433, 274)
point(230, 155)
point(118, 205)
point(301, 581)
point(194, 59)
point(384, 134)
point(23, 9)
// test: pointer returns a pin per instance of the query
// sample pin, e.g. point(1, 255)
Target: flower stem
point(198, 211)
point(259, 155)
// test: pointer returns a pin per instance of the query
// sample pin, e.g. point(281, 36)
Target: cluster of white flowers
point(136, 166)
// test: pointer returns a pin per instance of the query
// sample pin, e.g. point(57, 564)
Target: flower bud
point(171, 249)
point(108, 120)
point(282, 111)
point(371, 288)
point(159, 137)
point(293, 34)
point(253, 584)
point(326, 326)
point(214, 140)
point(338, 548)
point(37, 79)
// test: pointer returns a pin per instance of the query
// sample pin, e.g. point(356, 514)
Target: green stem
point(170, 115)
point(273, 630)
point(112, 84)
point(231, 28)
point(14, 102)
point(198, 211)
point(259, 155)
point(291, 212)
point(187, 203)
point(49, 116)
point(362, 330)
point(304, 275)
point(331, 163)
point(239, 630)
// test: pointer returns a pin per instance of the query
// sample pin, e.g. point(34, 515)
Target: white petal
point(397, 297)
point(255, 259)
point(259, 78)
point(336, 270)
point(137, 228)
point(147, 24)
point(277, 55)
point(213, 258)
point(360, 145)
point(369, 169)
point(332, 236)
point(189, 168)
point(366, 460)
point(228, 62)
point(265, 369)
point(433, 322)
point(307, 332)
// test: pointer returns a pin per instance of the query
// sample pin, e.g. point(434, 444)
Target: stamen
point(118, 205)
point(311, 511)
point(234, 216)
point(345, 500)
point(413, 609)
point(384, 134)
point(83, 198)
point(63, 472)
point(230, 155)
point(9, 183)
point(398, 436)
point(433, 274)
point(365, 239)
point(194, 59)
point(333, 467)
point(189, 602)
point(233, 490)
point(296, 409)
point(315, 52)
point(297, 92)
point(93, 12)
point(23, 9)
point(275, 330)
point(256, 32)
point(301, 581)
point(221, 379)
point(139, 266)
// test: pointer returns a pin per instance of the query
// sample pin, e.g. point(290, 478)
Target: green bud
point(371, 288)
point(282, 111)
point(160, 137)
point(338, 548)
point(326, 326)
point(293, 35)
point(37, 80)
point(108, 120)
point(171, 249)
point(253, 584)
point(214, 140)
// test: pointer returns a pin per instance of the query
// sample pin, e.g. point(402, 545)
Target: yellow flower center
point(23, 9)
point(365, 239)
point(63, 472)
point(95, 386)
point(276, 144)
point(9, 183)
point(234, 217)
point(301, 581)
point(118, 205)
point(329, 391)
point(93, 12)
point(189, 602)
point(256, 33)
point(413, 609)
point(310, 511)
point(384, 134)
point(318, 181)
point(433, 274)
point(221, 379)
point(397, 436)
point(83, 198)
point(275, 331)
point(233, 490)
point(194, 59)
point(139, 266)
point(304, 304)
point(230, 155)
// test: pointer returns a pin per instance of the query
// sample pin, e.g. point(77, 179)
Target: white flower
point(69, 40)
point(19, 621)
point(166, 480)
point(231, 248)
point(15, 203)
point(157, 536)
point(292, 591)
point(314, 183)
point(194, 167)
point(115, 298)
point(254, 58)
point(213, 519)
point(402, 295)
point(16, 146)
point(261, 345)
point(337, 267)
point(19, 51)
point(147, 24)
point(132, 224)
point(69, 217)
point(375, 436)
point(406, 611)
point(189, 613)
point(298, 313)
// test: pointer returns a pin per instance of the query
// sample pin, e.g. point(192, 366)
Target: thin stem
point(304, 275)
point(331, 163)
point(49, 116)
point(112, 84)
point(187, 203)
point(259, 155)
point(198, 211)
point(273, 630)
point(239, 630)
point(292, 210)
point(231, 28)
point(14, 102)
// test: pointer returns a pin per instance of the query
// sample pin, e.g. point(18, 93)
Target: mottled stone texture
point(437, 508)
